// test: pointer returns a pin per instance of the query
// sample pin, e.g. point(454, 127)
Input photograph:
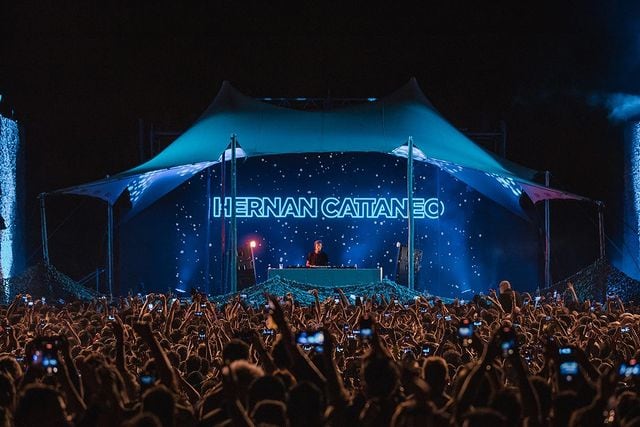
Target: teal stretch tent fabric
point(383, 126)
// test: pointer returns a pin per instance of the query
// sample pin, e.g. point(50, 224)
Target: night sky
point(79, 78)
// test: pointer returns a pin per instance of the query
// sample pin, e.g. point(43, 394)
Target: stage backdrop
point(354, 202)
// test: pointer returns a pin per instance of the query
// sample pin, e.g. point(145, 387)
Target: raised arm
point(118, 332)
point(335, 387)
point(169, 319)
point(165, 370)
point(493, 297)
point(74, 399)
point(302, 367)
point(472, 383)
point(264, 357)
point(236, 411)
point(72, 370)
point(530, 402)
point(316, 305)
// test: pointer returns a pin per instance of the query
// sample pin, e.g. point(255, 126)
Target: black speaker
point(246, 267)
point(402, 266)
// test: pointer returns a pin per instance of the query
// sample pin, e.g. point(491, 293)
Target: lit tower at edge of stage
point(10, 203)
point(629, 258)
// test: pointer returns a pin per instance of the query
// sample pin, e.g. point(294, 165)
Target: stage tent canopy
point(381, 126)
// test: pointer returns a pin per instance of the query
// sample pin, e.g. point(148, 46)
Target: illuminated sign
point(330, 207)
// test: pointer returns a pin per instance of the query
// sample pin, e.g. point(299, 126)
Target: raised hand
point(143, 329)
point(329, 342)
point(276, 312)
point(118, 327)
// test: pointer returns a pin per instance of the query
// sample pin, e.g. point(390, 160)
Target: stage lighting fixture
point(252, 244)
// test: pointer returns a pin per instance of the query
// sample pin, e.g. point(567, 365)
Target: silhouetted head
point(161, 402)
point(483, 417)
point(270, 412)
point(40, 405)
point(305, 406)
point(436, 373)
point(235, 350)
point(381, 377)
point(504, 286)
point(267, 387)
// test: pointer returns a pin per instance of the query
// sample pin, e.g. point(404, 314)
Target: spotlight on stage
point(246, 265)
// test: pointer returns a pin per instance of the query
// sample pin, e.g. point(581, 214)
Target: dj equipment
point(328, 276)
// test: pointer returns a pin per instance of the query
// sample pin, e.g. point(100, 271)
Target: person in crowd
point(508, 298)
point(382, 361)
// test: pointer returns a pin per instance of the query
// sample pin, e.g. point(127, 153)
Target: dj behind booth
point(318, 272)
point(317, 258)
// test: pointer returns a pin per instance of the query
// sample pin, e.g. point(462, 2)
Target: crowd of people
point(503, 359)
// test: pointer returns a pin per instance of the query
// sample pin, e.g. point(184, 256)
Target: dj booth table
point(327, 276)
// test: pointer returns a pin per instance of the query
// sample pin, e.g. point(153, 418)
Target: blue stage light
point(635, 176)
point(139, 185)
point(507, 183)
point(9, 145)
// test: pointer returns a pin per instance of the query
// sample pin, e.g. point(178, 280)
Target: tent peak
point(409, 92)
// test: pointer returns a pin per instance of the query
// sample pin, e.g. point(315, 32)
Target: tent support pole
point(602, 272)
point(110, 248)
point(43, 230)
point(207, 248)
point(410, 225)
point(223, 221)
point(601, 228)
point(234, 225)
point(547, 235)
